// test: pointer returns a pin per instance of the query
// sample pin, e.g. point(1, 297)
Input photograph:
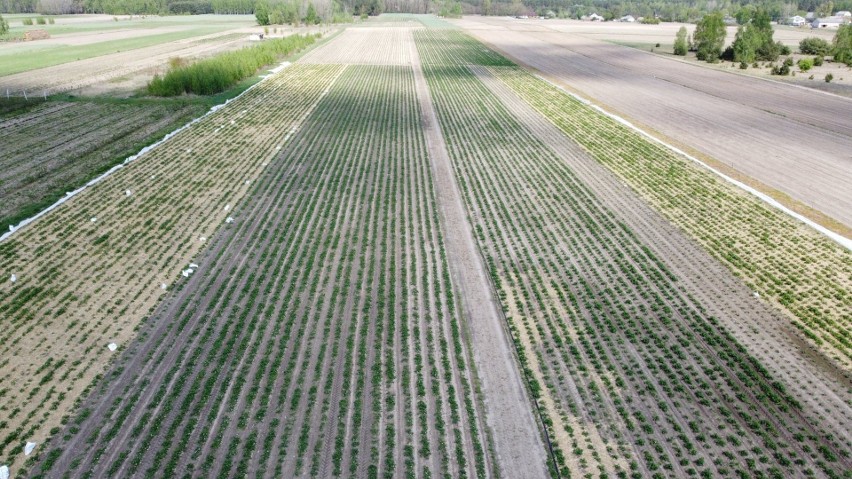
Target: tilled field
point(631, 372)
point(366, 46)
point(87, 273)
point(320, 335)
point(421, 263)
point(790, 139)
point(59, 146)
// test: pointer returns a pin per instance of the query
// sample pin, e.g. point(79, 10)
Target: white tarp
point(4, 472)
point(13, 278)
point(28, 449)
point(112, 346)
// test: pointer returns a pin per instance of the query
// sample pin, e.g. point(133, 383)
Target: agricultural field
point(53, 147)
point(763, 133)
point(404, 255)
point(119, 56)
point(632, 373)
point(91, 270)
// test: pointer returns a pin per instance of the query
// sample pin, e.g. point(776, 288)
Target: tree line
point(754, 43)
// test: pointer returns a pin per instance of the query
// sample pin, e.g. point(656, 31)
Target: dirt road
point(519, 449)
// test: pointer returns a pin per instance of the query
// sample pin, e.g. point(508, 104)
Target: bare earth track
point(516, 433)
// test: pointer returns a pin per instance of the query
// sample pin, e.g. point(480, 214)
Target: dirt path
point(517, 438)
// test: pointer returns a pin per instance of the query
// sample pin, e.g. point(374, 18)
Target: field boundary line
point(131, 158)
point(836, 237)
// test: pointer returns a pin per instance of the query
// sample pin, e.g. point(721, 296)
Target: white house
point(627, 18)
point(797, 21)
point(828, 22)
point(843, 13)
point(595, 18)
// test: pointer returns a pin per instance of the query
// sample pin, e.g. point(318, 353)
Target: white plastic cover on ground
point(71, 194)
point(28, 449)
point(4, 472)
point(837, 238)
point(112, 346)
point(13, 278)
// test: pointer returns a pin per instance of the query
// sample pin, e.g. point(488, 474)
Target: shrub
point(680, 44)
point(51, 21)
point(709, 37)
point(843, 45)
point(805, 64)
point(219, 73)
point(190, 7)
point(814, 46)
point(4, 26)
point(829, 77)
point(261, 13)
point(28, 21)
point(818, 61)
point(41, 21)
point(651, 21)
point(782, 69)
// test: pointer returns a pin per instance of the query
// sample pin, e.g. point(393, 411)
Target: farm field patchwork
point(101, 56)
point(57, 146)
point(633, 375)
point(750, 128)
point(90, 271)
point(319, 335)
point(404, 255)
point(759, 244)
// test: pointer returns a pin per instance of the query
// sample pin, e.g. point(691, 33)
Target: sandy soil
point(794, 140)
point(367, 46)
point(517, 440)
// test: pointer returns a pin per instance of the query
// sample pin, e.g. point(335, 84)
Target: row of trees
point(754, 41)
point(666, 10)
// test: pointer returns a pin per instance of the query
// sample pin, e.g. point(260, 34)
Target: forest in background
point(665, 10)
